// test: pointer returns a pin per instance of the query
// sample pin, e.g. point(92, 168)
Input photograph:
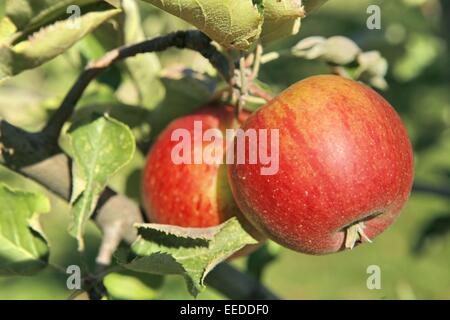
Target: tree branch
point(193, 40)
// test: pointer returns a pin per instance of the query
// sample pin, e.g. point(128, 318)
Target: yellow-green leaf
point(190, 252)
point(100, 149)
point(232, 23)
point(281, 19)
point(48, 43)
point(23, 248)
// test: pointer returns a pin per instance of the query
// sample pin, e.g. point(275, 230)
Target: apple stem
point(355, 233)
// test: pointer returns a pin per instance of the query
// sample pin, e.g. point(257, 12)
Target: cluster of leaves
point(35, 32)
point(191, 252)
point(239, 24)
point(23, 247)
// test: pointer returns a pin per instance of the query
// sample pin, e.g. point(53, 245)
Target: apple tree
point(94, 132)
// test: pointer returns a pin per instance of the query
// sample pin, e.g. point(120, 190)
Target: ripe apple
point(190, 195)
point(345, 167)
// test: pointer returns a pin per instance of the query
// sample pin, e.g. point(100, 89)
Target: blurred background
point(413, 255)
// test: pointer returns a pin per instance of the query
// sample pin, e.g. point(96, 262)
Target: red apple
point(190, 195)
point(345, 167)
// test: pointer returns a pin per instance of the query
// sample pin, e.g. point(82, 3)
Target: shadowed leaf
point(47, 43)
point(281, 19)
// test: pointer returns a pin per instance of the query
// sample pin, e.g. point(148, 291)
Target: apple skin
point(344, 158)
point(191, 195)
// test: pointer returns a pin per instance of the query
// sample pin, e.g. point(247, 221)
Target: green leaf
point(129, 286)
point(100, 149)
point(232, 23)
point(47, 43)
point(7, 28)
point(23, 247)
point(191, 252)
point(281, 19)
point(29, 15)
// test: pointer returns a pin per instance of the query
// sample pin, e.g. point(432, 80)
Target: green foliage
point(281, 19)
point(234, 24)
point(23, 247)
point(100, 149)
point(145, 93)
point(238, 24)
point(47, 43)
point(191, 252)
point(29, 15)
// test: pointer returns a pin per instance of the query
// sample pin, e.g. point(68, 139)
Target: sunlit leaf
point(281, 19)
point(7, 28)
point(100, 149)
point(191, 252)
point(48, 43)
point(23, 248)
point(233, 24)
point(30, 15)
